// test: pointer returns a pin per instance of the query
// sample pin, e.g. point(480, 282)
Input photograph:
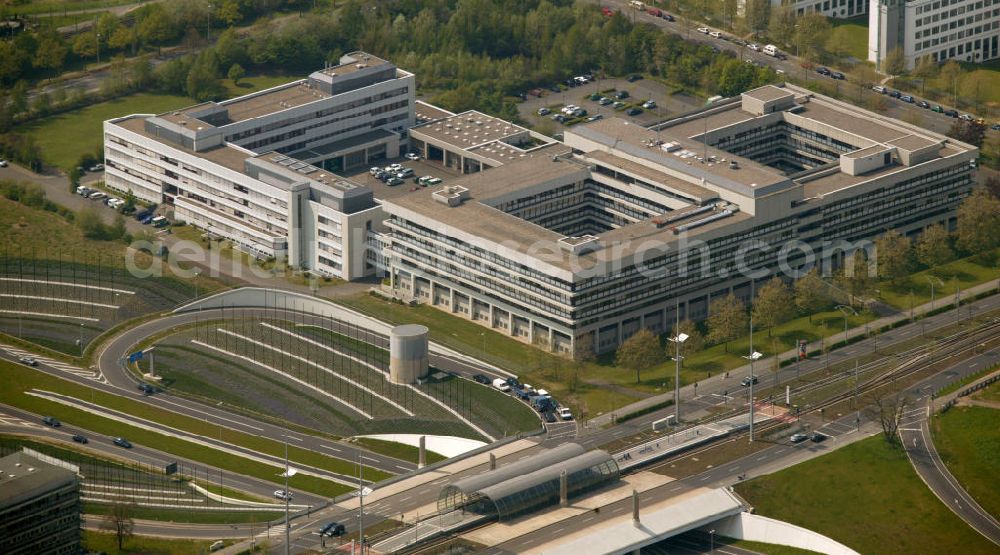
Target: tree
point(856, 275)
point(229, 12)
point(975, 86)
point(839, 42)
point(978, 223)
point(951, 72)
point(971, 132)
point(236, 72)
point(155, 27)
point(74, 179)
point(888, 408)
point(129, 205)
point(894, 255)
point(141, 72)
point(694, 343)
point(925, 69)
point(894, 62)
point(782, 25)
point(641, 352)
point(810, 37)
point(583, 349)
point(773, 305)
point(757, 14)
point(123, 37)
point(89, 222)
point(202, 80)
point(811, 293)
point(934, 246)
point(85, 45)
point(727, 318)
point(119, 521)
point(51, 51)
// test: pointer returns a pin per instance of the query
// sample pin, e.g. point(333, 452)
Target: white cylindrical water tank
point(408, 353)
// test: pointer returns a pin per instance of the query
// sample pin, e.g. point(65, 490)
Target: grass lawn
point(858, 27)
point(108, 543)
point(968, 439)
point(769, 548)
point(191, 516)
point(991, 393)
point(868, 497)
point(65, 137)
point(959, 384)
point(17, 379)
point(962, 273)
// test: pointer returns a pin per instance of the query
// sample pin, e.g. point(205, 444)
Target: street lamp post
point(677, 340)
point(197, 271)
point(711, 541)
point(931, 280)
point(844, 309)
point(98, 49)
point(208, 27)
point(754, 355)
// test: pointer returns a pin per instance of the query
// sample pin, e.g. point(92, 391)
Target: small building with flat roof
point(39, 507)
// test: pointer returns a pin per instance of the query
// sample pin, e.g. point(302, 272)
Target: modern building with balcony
point(623, 226)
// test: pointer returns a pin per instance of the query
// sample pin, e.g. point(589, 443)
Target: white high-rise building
point(965, 30)
point(829, 8)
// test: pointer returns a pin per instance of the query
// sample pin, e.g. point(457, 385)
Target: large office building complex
point(965, 30)
point(39, 507)
point(829, 8)
point(262, 169)
point(606, 234)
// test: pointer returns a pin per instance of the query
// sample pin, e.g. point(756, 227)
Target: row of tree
point(777, 302)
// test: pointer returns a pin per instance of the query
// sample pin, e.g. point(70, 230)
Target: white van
point(771, 50)
point(501, 384)
point(636, 4)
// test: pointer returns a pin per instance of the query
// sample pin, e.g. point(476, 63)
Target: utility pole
point(754, 355)
point(677, 340)
point(288, 541)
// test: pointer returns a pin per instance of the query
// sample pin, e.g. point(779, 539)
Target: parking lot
point(668, 105)
point(420, 168)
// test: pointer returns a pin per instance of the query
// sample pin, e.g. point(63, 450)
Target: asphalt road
point(140, 454)
point(915, 435)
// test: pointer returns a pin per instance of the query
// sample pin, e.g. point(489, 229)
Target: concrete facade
point(965, 30)
point(39, 507)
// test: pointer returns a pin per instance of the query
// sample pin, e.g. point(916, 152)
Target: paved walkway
point(915, 435)
point(717, 380)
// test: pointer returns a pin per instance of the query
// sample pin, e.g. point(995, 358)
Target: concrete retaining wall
point(746, 526)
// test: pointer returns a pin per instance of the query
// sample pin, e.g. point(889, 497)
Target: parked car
point(159, 221)
point(817, 437)
point(3, 163)
point(501, 384)
point(937, 108)
point(142, 214)
point(715, 34)
point(618, 105)
point(745, 382)
point(332, 529)
point(122, 442)
point(559, 118)
point(798, 438)
point(428, 180)
point(595, 117)
point(924, 104)
point(146, 389)
point(30, 361)
point(404, 173)
point(837, 75)
point(951, 113)
point(146, 219)
point(703, 30)
point(621, 95)
point(880, 89)
point(550, 417)
point(83, 190)
point(481, 378)
point(633, 78)
point(412, 156)
point(544, 111)
point(966, 117)
point(80, 439)
point(633, 111)
point(895, 94)
point(823, 70)
point(282, 494)
point(649, 104)
point(604, 101)
point(393, 181)
point(995, 127)
point(565, 414)
point(374, 171)
point(51, 421)
point(754, 46)
point(96, 168)
point(97, 195)
point(907, 98)
point(667, 16)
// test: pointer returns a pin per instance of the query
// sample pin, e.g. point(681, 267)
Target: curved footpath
point(915, 435)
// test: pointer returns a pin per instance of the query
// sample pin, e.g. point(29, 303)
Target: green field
point(64, 138)
point(968, 439)
point(35, 7)
point(108, 543)
point(401, 451)
point(858, 28)
point(959, 274)
point(991, 393)
point(868, 497)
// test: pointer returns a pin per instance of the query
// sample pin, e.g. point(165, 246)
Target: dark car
point(550, 416)
point(332, 529)
point(482, 379)
point(837, 75)
point(823, 70)
point(30, 361)
point(995, 127)
point(633, 78)
point(50, 421)
point(514, 383)
point(817, 437)
point(522, 394)
point(633, 111)
point(146, 389)
point(747, 380)
point(667, 16)
point(142, 214)
point(951, 113)
point(907, 98)
point(924, 104)
point(895, 94)
point(621, 95)
point(122, 442)
point(555, 88)
point(79, 438)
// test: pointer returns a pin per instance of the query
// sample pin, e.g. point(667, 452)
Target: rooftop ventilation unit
point(580, 245)
point(734, 165)
point(452, 195)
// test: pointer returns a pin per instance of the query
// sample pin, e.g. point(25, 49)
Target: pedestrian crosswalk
point(95, 375)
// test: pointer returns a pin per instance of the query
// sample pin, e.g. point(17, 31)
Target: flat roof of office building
point(23, 477)
point(359, 60)
point(225, 155)
point(428, 112)
point(468, 130)
point(273, 100)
